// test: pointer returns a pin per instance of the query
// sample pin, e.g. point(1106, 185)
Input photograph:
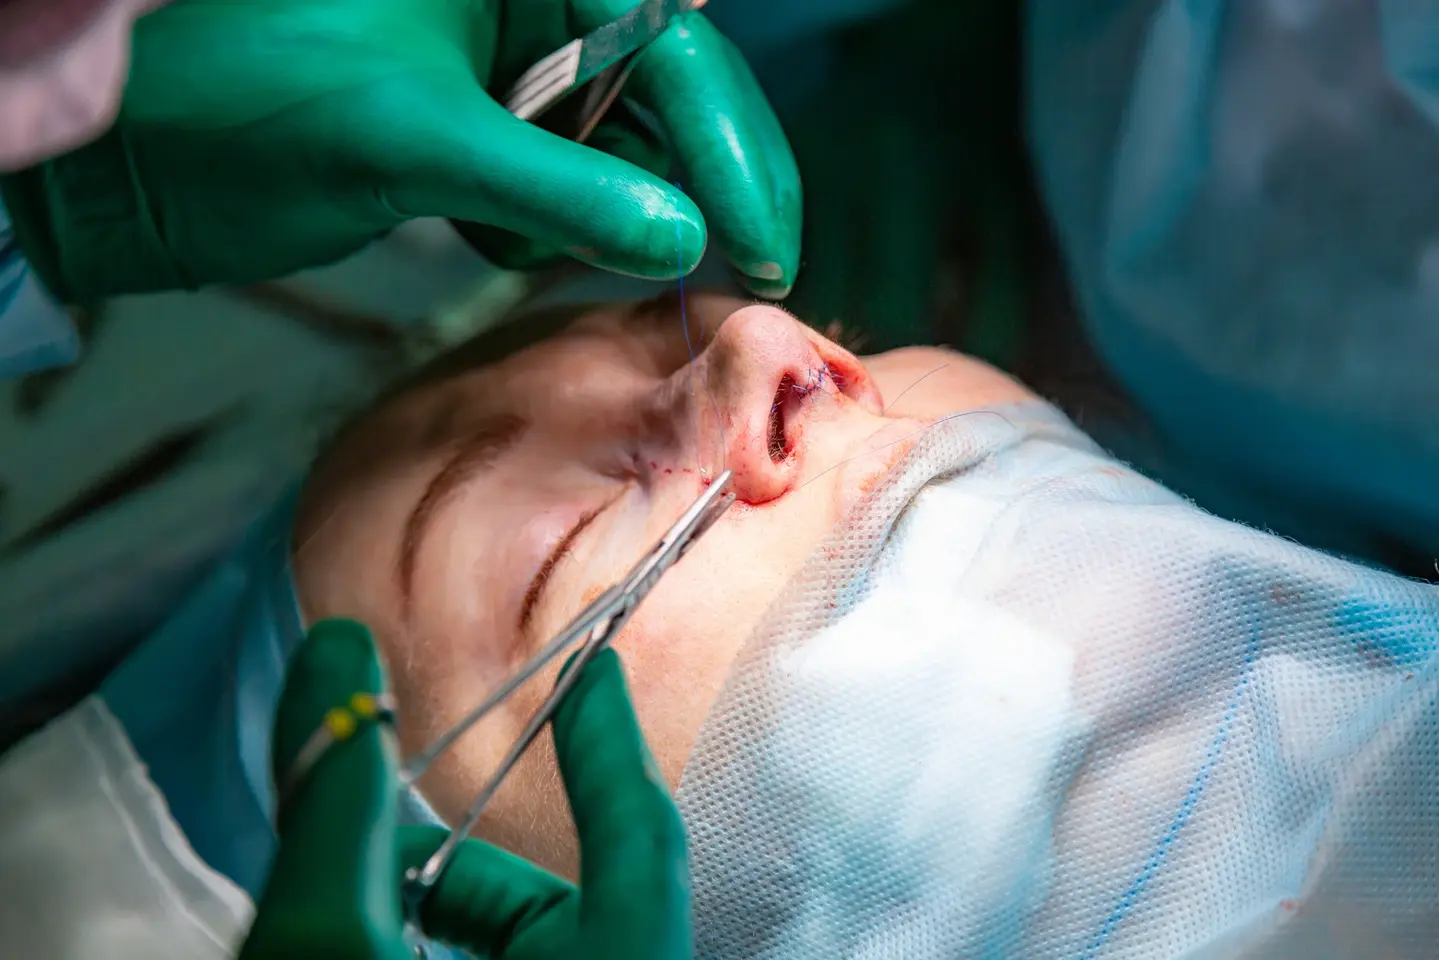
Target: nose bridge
point(738, 365)
point(758, 340)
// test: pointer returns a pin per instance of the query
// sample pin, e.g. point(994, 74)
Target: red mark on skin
point(763, 504)
point(868, 483)
point(1408, 676)
point(742, 508)
point(654, 465)
point(1289, 905)
point(668, 471)
point(793, 436)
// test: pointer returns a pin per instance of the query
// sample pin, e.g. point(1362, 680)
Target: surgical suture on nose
point(789, 394)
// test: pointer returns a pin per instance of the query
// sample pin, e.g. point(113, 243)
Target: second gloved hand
point(633, 899)
point(334, 889)
point(260, 138)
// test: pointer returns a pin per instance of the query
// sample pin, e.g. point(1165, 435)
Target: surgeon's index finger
point(634, 872)
point(462, 156)
point(737, 161)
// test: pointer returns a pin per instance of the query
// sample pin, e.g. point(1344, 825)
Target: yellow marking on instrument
point(341, 723)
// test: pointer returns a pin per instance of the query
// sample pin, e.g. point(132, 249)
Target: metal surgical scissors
point(604, 58)
point(598, 623)
point(605, 54)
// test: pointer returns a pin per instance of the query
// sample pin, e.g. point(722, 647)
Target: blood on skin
point(868, 482)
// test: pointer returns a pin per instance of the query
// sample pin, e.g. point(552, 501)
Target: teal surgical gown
point(1244, 194)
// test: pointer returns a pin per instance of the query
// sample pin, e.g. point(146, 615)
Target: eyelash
point(547, 568)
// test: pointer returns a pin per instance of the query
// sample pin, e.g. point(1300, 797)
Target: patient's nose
point(760, 370)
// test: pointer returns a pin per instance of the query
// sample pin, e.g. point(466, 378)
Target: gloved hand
point(334, 889)
point(259, 138)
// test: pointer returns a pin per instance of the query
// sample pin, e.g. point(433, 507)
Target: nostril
point(778, 442)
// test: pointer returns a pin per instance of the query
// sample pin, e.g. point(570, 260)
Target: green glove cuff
point(87, 231)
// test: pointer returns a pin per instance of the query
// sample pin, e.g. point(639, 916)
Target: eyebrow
point(662, 306)
point(475, 453)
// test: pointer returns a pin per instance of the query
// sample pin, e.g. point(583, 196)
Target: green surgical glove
point(334, 889)
point(260, 138)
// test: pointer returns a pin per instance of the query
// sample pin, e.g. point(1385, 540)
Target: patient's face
point(469, 518)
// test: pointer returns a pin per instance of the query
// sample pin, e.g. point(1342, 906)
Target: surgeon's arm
point(334, 889)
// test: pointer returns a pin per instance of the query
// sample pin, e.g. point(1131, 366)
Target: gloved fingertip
point(339, 638)
point(339, 653)
point(603, 667)
point(768, 271)
point(601, 693)
point(766, 254)
point(666, 247)
point(775, 286)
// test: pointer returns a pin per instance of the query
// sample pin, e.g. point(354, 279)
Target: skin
point(623, 420)
point(62, 68)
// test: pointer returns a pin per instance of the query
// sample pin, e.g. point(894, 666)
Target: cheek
point(682, 644)
point(929, 382)
point(674, 668)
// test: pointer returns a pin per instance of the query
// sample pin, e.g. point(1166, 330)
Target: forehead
point(589, 344)
point(543, 353)
point(559, 339)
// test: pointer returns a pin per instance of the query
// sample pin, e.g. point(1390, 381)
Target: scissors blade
point(606, 56)
point(701, 515)
point(580, 61)
point(604, 91)
point(601, 611)
point(608, 613)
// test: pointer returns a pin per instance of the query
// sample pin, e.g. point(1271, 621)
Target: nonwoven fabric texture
point(1241, 190)
point(1027, 703)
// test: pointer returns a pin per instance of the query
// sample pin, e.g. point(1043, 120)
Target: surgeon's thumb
point(331, 888)
point(487, 899)
point(477, 162)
